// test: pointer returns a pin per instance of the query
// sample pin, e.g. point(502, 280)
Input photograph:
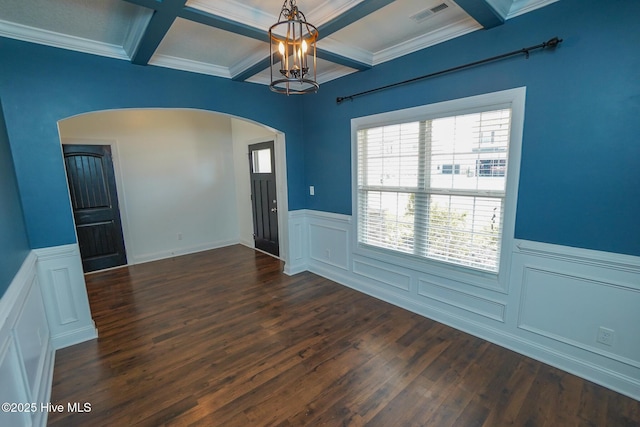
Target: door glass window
point(261, 160)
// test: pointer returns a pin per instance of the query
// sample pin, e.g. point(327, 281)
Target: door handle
point(274, 209)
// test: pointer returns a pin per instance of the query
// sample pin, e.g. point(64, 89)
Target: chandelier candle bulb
point(281, 50)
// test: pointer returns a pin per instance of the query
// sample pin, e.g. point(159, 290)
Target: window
point(434, 185)
point(261, 160)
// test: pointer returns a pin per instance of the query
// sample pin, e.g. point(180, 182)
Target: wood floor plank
point(224, 338)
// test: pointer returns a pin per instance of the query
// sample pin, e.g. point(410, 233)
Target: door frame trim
point(271, 144)
point(283, 195)
point(279, 146)
point(120, 187)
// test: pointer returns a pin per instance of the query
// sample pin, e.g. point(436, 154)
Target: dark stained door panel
point(264, 200)
point(94, 200)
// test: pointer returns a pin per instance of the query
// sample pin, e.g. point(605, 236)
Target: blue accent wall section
point(580, 170)
point(14, 243)
point(41, 85)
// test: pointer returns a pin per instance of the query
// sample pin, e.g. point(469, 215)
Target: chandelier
point(293, 52)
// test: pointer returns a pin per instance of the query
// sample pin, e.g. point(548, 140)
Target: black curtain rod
point(550, 43)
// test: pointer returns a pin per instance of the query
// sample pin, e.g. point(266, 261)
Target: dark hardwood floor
point(223, 338)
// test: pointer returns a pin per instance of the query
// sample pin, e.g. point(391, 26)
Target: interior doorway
point(206, 178)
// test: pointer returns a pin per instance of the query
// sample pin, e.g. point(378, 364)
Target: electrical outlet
point(179, 236)
point(605, 335)
point(327, 254)
point(312, 190)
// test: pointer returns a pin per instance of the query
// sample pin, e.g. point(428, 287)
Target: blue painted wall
point(14, 243)
point(41, 85)
point(580, 171)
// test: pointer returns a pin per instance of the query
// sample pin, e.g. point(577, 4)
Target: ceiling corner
point(483, 12)
point(503, 7)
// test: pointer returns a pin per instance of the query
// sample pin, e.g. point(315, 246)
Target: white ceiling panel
point(105, 21)
point(198, 42)
point(394, 25)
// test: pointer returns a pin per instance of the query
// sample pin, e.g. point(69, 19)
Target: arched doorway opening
point(182, 177)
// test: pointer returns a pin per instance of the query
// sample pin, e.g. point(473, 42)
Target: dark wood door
point(94, 200)
point(264, 201)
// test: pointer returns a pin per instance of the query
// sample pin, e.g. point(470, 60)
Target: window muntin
point(436, 188)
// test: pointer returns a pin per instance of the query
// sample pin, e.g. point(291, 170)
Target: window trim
point(513, 98)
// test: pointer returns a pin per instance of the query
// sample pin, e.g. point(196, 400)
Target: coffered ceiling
point(228, 38)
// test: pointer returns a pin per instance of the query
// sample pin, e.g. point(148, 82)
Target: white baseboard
point(290, 270)
point(44, 396)
point(76, 336)
point(156, 256)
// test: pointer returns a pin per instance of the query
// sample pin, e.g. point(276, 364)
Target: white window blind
point(436, 188)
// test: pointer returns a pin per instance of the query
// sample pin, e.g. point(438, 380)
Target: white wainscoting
point(26, 351)
point(298, 247)
point(65, 295)
point(555, 300)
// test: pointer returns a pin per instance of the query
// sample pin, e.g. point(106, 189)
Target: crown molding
point(136, 30)
point(520, 7)
point(501, 6)
point(50, 38)
point(329, 10)
point(335, 74)
point(351, 52)
point(172, 62)
point(456, 29)
point(248, 62)
point(237, 12)
point(451, 31)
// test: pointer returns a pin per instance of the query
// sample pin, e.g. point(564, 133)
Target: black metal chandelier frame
point(293, 52)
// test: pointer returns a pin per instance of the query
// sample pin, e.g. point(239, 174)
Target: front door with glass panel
point(264, 202)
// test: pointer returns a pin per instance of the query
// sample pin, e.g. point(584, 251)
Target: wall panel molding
point(65, 295)
point(328, 236)
point(554, 301)
point(298, 243)
point(582, 305)
point(26, 351)
point(383, 273)
point(588, 257)
point(475, 304)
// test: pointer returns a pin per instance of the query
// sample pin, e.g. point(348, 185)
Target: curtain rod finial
point(553, 42)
